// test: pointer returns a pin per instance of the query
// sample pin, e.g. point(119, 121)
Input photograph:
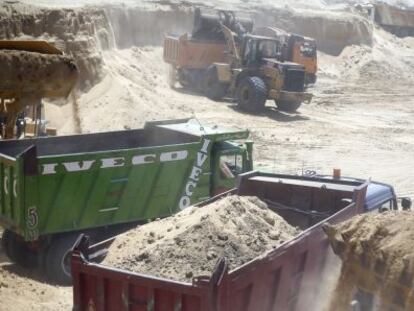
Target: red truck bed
point(284, 278)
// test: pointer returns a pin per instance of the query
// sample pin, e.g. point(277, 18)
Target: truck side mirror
point(406, 204)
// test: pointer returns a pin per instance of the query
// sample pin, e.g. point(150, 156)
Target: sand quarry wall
point(85, 32)
point(333, 31)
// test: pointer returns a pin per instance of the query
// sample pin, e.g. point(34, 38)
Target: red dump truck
point(285, 278)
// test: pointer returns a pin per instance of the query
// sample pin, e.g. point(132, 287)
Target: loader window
point(256, 49)
point(250, 52)
point(231, 166)
point(269, 49)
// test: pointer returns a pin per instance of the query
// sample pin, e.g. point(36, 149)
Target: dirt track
point(22, 290)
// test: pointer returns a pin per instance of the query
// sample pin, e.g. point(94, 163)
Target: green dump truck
point(53, 188)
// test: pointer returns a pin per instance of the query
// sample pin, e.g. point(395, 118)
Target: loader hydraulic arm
point(231, 45)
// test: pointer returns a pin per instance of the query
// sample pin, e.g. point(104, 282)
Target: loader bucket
point(42, 47)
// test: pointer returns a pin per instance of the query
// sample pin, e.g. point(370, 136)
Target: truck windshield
point(308, 49)
point(231, 165)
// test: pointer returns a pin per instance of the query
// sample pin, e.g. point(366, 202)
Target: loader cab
point(230, 159)
point(257, 48)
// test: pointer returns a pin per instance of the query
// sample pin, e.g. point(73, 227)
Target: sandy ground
point(22, 290)
point(360, 120)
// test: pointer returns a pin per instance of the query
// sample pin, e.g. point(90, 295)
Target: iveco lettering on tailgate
point(50, 168)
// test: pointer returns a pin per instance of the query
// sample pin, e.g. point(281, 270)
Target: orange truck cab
point(302, 50)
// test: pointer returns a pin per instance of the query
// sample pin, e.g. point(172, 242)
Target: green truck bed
point(60, 184)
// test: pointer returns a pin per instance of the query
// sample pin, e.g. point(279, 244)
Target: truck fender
point(240, 75)
point(223, 72)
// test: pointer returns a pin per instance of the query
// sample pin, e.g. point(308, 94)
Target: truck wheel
point(197, 80)
point(182, 78)
point(252, 94)
point(18, 251)
point(310, 78)
point(213, 88)
point(172, 76)
point(57, 259)
point(287, 105)
point(5, 242)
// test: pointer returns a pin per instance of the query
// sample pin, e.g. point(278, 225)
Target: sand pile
point(46, 75)
point(377, 251)
point(190, 243)
point(19, 291)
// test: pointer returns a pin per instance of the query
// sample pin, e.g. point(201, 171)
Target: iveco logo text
point(202, 155)
point(86, 165)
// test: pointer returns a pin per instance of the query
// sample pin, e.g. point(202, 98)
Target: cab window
point(269, 49)
point(386, 206)
point(250, 52)
point(308, 50)
point(230, 166)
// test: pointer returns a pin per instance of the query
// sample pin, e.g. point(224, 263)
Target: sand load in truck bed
point(377, 251)
point(190, 243)
point(36, 74)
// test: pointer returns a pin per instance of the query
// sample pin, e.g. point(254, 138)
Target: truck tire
point(5, 242)
point(197, 80)
point(57, 259)
point(172, 76)
point(182, 78)
point(288, 106)
point(213, 88)
point(310, 78)
point(252, 94)
point(18, 251)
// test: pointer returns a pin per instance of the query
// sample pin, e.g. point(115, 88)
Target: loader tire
point(57, 259)
point(18, 251)
point(252, 94)
point(213, 88)
point(288, 106)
